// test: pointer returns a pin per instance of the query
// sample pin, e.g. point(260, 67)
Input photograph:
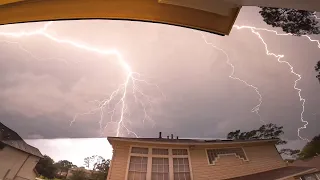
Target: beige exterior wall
point(119, 162)
point(26, 171)
point(11, 161)
point(261, 158)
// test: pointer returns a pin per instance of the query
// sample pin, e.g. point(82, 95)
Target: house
point(17, 158)
point(194, 159)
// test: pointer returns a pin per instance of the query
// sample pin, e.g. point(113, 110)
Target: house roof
point(12, 139)
point(289, 171)
point(188, 141)
point(311, 162)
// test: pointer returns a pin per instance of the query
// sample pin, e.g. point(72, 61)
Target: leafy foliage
point(46, 167)
point(296, 22)
point(102, 169)
point(88, 161)
point(294, 154)
point(311, 149)
point(78, 175)
point(267, 131)
point(317, 68)
point(64, 166)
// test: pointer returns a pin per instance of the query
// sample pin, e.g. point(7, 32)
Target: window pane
point(179, 151)
point(157, 151)
point(138, 150)
point(137, 168)
point(160, 176)
point(160, 169)
point(182, 176)
point(181, 169)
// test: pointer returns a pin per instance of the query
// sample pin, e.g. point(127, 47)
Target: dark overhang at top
point(212, 16)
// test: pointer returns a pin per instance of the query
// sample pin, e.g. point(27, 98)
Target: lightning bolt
point(257, 107)
point(129, 86)
point(279, 58)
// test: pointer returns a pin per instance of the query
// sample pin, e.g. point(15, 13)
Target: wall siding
point(26, 170)
point(261, 158)
point(119, 162)
point(12, 159)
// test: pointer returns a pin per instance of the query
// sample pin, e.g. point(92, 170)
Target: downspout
point(21, 166)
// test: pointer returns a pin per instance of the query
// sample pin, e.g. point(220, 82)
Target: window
point(179, 152)
point(214, 153)
point(157, 151)
point(160, 169)
point(138, 168)
point(138, 150)
point(159, 164)
point(181, 169)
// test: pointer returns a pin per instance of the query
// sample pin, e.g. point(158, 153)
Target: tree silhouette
point(102, 168)
point(64, 166)
point(46, 167)
point(79, 175)
point(317, 68)
point(311, 149)
point(296, 22)
point(267, 131)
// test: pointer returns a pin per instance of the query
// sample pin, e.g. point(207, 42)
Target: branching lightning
point(257, 107)
point(129, 86)
point(279, 58)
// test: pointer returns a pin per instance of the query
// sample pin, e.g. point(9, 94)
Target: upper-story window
point(213, 154)
point(159, 164)
point(138, 164)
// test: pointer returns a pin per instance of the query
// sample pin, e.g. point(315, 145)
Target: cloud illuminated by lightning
point(257, 107)
point(129, 86)
point(279, 58)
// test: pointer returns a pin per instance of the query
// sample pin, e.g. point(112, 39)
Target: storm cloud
point(43, 88)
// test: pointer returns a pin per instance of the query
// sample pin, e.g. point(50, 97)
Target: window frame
point(170, 156)
point(219, 155)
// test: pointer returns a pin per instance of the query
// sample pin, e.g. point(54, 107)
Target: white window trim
point(150, 156)
point(219, 155)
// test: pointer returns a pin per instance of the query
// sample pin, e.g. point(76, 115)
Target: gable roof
point(289, 171)
point(188, 141)
point(12, 139)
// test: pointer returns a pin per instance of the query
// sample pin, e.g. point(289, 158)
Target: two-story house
point(193, 159)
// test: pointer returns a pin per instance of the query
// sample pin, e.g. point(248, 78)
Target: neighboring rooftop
point(289, 171)
point(12, 139)
point(311, 162)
